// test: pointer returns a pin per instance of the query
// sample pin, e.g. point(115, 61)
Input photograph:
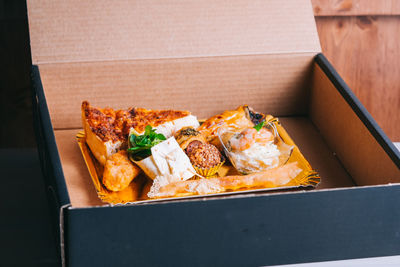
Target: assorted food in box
point(140, 155)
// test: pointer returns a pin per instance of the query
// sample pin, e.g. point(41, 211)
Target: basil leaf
point(138, 148)
point(259, 126)
point(141, 140)
point(132, 139)
point(161, 137)
point(141, 155)
point(141, 145)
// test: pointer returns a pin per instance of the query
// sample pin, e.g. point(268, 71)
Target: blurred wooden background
point(361, 38)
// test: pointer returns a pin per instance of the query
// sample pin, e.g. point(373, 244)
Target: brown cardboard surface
point(80, 187)
point(104, 30)
point(82, 191)
point(313, 147)
point(276, 84)
point(348, 137)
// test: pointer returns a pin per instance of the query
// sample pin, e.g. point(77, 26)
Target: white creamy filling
point(257, 157)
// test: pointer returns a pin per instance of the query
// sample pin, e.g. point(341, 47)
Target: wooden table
point(362, 40)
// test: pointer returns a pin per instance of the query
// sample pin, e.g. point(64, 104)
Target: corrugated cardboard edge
point(62, 238)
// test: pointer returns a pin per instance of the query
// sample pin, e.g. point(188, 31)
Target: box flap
point(103, 30)
point(273, 84)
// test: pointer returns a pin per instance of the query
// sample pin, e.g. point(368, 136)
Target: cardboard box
point(209, 56)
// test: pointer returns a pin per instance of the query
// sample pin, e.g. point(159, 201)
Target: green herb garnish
point(259, 126)
point(140, 145)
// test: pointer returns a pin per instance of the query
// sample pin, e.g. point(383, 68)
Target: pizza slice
point(107, 130)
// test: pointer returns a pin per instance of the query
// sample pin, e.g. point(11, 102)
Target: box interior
point(328, 132)
point(205, 57)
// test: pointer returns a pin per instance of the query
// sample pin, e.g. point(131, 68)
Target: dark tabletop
point(25, 225)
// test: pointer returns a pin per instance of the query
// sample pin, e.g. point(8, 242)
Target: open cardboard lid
point(103, 30)
point(122, 53)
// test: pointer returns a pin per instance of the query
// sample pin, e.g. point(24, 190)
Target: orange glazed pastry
point(119, 171)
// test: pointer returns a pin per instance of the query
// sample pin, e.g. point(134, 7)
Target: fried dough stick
point(270, 178)
point(119, 171)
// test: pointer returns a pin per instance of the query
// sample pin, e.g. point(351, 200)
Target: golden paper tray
point(138, 188)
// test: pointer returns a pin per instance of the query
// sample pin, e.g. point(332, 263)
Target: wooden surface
point(356, 7)
point(365, 50)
